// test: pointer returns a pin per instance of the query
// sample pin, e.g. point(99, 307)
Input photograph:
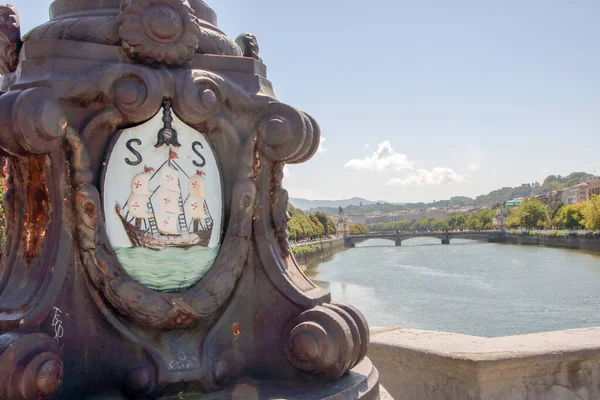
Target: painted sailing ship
point(161, 218)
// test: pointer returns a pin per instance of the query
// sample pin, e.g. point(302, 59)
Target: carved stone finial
point(249, 45)
point(161, 31)
point(10, 38)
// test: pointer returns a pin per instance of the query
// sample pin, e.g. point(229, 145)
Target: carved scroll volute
point(283, 133)
point(134, 93)
point(137, 95)
point(31, 122)
point(30, 365)
point(327, 341)
point(129, 95)
point(199, 97)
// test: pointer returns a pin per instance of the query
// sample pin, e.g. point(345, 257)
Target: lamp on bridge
point(146, 252)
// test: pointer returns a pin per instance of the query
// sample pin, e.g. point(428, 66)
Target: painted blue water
point(468, 287)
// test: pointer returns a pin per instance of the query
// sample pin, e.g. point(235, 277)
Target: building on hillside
point(357, 218)
point(514, 202)
point(575, 194)
point(465, 209)
point(550, 198)
point(406, 215)
point(594, 187)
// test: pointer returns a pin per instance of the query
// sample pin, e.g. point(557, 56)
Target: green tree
point(304, 226)
point(318, 230)
point(457, 221)
point(327, 223)
point(531, 214)
point(358, 229)
point(513, 219)
point(480, 220)
point(591, 214)
point(570, 216)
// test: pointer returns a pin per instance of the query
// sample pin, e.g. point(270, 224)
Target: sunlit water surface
point(467, 287)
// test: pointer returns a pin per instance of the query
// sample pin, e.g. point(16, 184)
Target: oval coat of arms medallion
point(162, 199)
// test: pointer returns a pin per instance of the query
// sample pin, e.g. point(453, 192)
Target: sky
point(422, 100)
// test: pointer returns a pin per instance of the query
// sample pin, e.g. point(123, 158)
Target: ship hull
point(141, 238)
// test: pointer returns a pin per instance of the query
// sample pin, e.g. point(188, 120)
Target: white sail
point(140, 183)
point(137, 207)
point(196, 186)
point(167, 224)
point(194, 208)
point(169, 179)
point(167, 201)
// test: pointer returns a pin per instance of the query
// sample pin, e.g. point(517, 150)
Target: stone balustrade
point(416, 364)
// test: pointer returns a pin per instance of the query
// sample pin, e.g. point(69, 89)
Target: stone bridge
point(399, 236)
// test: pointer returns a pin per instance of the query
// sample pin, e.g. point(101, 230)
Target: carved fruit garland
point(159, 31)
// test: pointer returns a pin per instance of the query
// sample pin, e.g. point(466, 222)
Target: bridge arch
point(352, 240)
point(398, 237)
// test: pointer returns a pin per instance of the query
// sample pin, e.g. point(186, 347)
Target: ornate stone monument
point(146, 252)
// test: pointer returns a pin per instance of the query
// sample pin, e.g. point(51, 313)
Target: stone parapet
point(415, 364)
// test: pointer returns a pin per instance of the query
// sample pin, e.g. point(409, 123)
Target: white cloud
point(322, 149)
point(367, 146)
point(384, 158)
point(473, 167)
point(422, 177)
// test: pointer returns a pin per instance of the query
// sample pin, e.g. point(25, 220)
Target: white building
point(575, 194)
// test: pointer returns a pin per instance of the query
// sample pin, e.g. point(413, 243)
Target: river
point(468, 287)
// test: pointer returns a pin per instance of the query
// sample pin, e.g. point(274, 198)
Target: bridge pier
point(446, 241)
point(398, 242)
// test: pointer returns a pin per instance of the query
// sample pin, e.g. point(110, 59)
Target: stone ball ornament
point(159, 31)
point(146, 252)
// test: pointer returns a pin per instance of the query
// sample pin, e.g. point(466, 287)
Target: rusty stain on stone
point(37, 206)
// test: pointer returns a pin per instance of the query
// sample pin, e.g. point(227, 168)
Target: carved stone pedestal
point(146, 252)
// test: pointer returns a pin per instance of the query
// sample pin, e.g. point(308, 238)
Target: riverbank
point(566, 240)
point(313, 252)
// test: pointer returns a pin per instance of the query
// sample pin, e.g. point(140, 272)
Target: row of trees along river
point(531, 214)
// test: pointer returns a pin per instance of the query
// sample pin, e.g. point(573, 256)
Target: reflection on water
point(467, 287)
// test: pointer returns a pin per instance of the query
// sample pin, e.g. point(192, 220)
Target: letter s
point(138, 156)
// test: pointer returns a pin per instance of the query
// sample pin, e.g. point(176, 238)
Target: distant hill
point(552, 182)
point(306, 205)
point(358, 205)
